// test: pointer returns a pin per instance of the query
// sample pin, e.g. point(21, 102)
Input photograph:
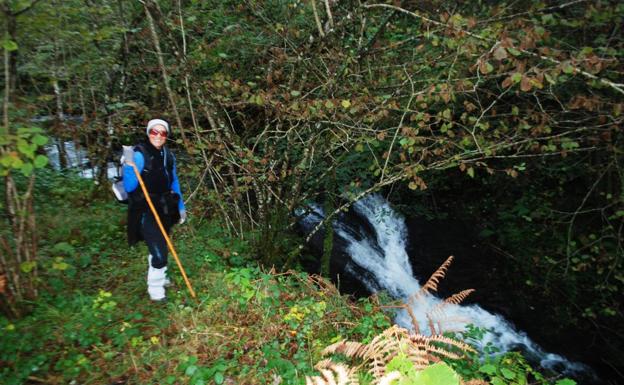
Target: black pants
point(156, 243)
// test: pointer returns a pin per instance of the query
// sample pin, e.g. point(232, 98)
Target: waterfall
point(380, 262)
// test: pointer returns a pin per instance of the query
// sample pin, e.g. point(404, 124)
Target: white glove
point(128, 155)
point(182, 216)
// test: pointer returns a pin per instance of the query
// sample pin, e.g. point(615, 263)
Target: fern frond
point(450, 341)
point(432, 329)
point(438, 316)
point(332, 374)
point(410, 312)
point(419, 357)
point(432, 282)
point(324, 364)
point(348, 348)
point(458, 298)
point(384, 348)
point(444, 353)
point(378, 355)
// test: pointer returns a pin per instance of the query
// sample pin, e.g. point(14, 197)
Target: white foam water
point(386, 264)
point(77, 159)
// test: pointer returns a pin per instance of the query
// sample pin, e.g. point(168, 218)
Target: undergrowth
point(94, 324)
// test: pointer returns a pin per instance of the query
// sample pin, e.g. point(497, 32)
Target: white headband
point(156, 122)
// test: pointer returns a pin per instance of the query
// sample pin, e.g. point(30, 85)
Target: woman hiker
point(157, 167)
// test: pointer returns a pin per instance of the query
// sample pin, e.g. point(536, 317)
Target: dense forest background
point(505, 116)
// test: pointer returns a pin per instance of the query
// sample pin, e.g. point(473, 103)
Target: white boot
point(167, 280)
point(156, 281)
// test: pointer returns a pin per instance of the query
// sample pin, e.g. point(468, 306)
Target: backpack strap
point(147, 159)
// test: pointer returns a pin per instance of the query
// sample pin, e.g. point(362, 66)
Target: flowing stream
point(77, 159)
point(380, 262)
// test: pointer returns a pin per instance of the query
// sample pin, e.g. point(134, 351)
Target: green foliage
point(21, 151)
point(371, 322)
point(498, 368)
point(436, 374)
point(198, 375)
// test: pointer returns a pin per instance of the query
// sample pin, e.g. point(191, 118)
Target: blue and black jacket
point(158, 171)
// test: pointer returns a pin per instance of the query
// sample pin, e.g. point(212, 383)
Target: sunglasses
point(154, 132)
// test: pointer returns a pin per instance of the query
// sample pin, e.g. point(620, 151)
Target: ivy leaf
point(24, 148)
point(488, 369)
point(27, 169)
point(508, 374)
point(17, 162)
point(190, 370)
point(516, 77)
point(345, 103)
point(437, 374)
point(497, 381)
point(40, 161)
point(28, 266)
point(9, 45)
point(60, 266)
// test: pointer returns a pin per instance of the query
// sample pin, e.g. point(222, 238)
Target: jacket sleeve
point(130, 180)
point(175, 186)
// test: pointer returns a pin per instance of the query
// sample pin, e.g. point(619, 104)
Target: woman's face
point(157, 136)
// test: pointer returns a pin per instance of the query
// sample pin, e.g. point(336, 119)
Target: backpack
point(117, 185)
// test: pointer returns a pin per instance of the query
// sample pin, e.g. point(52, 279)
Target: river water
point(77, 159)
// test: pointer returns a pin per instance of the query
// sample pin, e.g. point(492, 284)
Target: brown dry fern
point(436, 317)
point(348, 348)
point(432, 283)
point(458, 298)
point(333, 374)
point(421, 350)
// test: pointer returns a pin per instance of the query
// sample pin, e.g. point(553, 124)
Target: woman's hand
point(128, 155)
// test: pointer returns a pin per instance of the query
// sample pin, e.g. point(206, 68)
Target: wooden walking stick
point(162, 229)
